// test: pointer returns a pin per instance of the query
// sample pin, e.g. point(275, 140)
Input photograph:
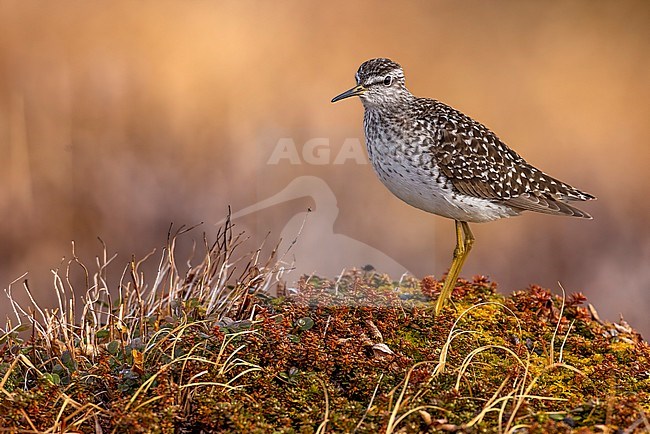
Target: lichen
point(359, 354)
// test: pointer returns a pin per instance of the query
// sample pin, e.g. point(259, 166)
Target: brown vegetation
point(205, 347)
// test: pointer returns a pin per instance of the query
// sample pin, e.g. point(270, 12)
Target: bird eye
point(388, 80)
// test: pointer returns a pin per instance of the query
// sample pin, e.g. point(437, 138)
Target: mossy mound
point(361, 354)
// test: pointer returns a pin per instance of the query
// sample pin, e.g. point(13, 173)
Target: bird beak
point(355, 91)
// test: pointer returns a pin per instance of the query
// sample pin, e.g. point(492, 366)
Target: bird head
point(379, 82)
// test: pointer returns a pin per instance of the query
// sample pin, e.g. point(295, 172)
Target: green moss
point(360, 353)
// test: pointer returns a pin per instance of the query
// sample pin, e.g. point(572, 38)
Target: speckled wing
point(479, 164)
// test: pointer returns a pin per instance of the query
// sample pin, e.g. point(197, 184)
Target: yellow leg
point(464, 242)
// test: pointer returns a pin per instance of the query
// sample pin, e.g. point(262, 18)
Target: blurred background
point(117, 119)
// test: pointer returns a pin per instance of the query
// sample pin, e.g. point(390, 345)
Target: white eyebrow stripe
point(376, 80)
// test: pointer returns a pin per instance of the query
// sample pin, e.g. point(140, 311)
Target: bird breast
point(405, 164)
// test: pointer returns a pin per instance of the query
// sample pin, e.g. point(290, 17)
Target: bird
point(439, 160)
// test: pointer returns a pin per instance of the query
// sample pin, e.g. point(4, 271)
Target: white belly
point(411, 180)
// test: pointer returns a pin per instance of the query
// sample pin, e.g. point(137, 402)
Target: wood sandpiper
point(439, 160)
